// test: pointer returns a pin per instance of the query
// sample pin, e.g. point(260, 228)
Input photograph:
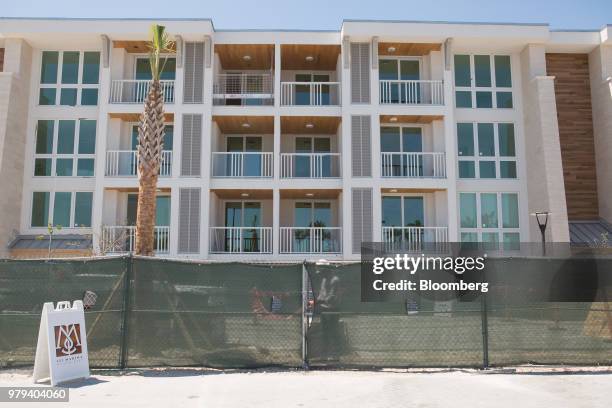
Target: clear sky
point(325, 14)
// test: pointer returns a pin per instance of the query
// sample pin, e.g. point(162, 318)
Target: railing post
point(485, 331)
point(125, 314)
point(304, 316)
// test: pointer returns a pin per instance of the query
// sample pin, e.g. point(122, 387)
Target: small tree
point(150, 143)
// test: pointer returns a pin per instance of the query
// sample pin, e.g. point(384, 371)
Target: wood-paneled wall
point(573, 95)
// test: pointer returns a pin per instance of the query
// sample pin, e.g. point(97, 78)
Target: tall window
point(483, 81)
point(65, 148)
point(486, 150)
point(61, 208)
point(489, 217)
point(69, 78)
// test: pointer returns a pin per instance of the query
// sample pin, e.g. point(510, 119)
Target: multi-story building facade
point(290, 145)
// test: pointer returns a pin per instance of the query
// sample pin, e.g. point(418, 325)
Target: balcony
point(124, 163)
point(412, 92)
point(310, 93)
point(244, 75)
point(121, 238)
point(241, 240)
point(410, 73)
point(310, 240)
point(243, 89)
point(242, 164)
point(310, 165)
point(136, 90)
point(413, 164)
point(414, 238)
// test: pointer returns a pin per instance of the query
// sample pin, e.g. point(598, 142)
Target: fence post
point(485, 331)
point(125, 313)
point(304, 316)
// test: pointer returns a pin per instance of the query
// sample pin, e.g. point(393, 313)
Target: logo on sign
point(67, 340)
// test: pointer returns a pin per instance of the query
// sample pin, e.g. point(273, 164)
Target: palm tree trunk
point(150, 144)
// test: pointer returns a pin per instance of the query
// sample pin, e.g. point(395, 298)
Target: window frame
point(398, 59)
point(58, 85)
point(54, 156)
point(493, 89)
point(500, 229)
point(497, 158)
point(402, 196)
point(51, 209)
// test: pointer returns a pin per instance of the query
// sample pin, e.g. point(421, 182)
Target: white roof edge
point(444, 22)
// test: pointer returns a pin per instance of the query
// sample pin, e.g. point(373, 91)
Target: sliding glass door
point(404, 69)
point(397, 144)
point(242, 219)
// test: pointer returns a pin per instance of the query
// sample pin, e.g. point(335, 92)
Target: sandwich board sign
point(61, 351)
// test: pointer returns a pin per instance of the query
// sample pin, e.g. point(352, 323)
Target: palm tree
point(150, 143)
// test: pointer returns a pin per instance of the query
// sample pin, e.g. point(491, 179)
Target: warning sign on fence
point(61, 351)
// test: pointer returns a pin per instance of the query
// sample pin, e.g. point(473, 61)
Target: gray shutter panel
point(362, 217)
point(360, 72)
point(193, 73)
point(191, 145)
point(361, 146)
point(189, 220)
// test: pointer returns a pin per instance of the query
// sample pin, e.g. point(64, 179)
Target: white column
point(277, 74)
point(376, 214)
point(205, 221)
point(347, 220)
point(101, 147)
point(374, 88)
point(450, 145)
point(276, 221)
point(545, 186)
point(174, 220)
point(375, 140)
point(347, 172)
point(277, 147)
point(209, 70)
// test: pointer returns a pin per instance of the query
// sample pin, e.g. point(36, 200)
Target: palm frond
point(160, 44)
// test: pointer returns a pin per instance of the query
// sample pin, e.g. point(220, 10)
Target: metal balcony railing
point(415, 238)
point(242, 164)
point(135, 90)
point(310, 165)
point(243, 240)
point(412, 92)
point(413, 164)
point(310, 240)
point(243, 89)
point(121, 238)
point(310, 93)
point(124, 163)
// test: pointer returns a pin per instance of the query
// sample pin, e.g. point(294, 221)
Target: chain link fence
point(154, 312)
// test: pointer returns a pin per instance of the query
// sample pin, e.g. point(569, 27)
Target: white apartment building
point(288, 145)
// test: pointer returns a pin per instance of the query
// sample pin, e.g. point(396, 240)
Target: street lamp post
point(542, 220)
